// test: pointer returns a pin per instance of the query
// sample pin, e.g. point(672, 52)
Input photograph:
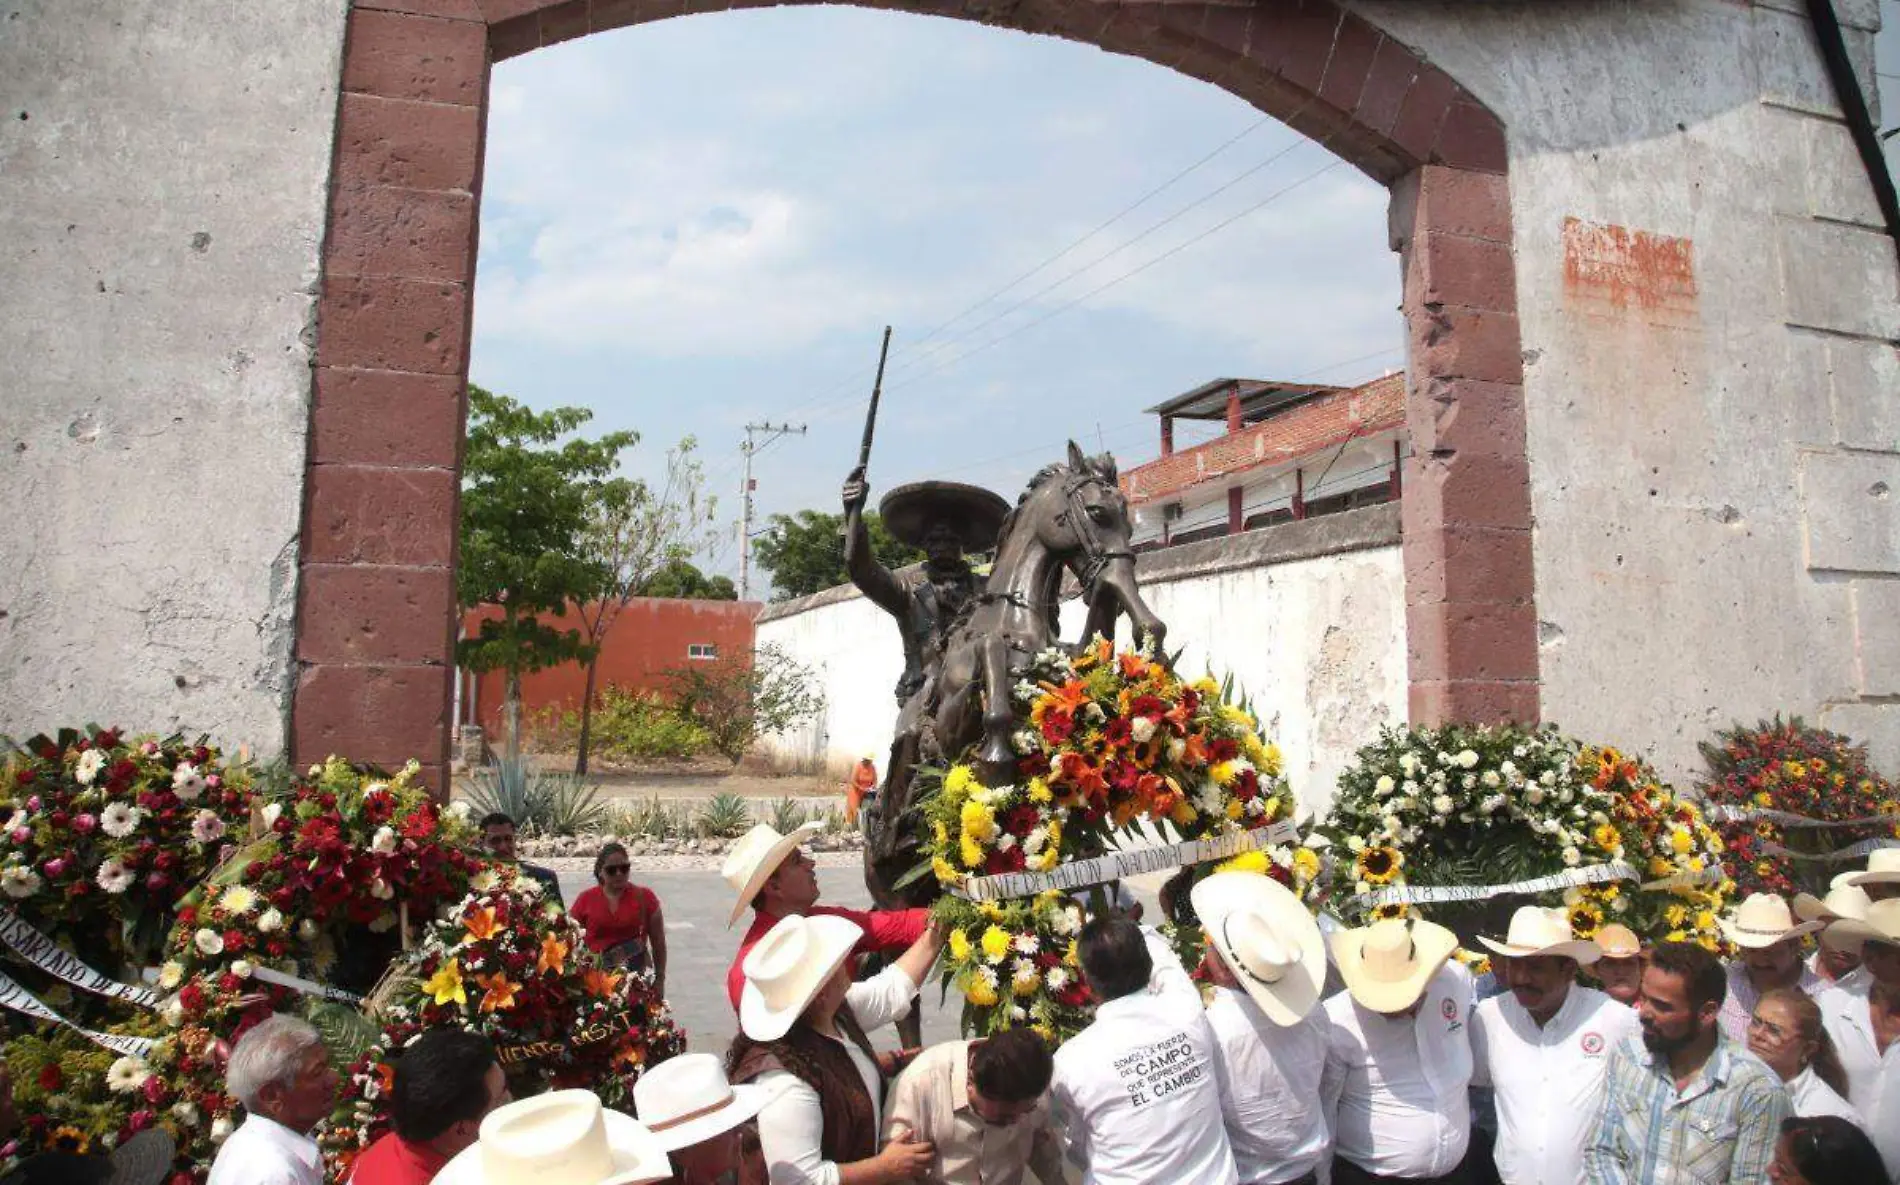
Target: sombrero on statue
point(974, 512)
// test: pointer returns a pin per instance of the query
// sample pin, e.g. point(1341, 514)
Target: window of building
point(706, 651)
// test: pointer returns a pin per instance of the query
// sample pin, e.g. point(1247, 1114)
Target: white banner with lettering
point(13, 996)
point(1593, 874)
point(41, 951)
point(1133, 862)
point(1839, 855)
point(322, 991)
point(1749, 814)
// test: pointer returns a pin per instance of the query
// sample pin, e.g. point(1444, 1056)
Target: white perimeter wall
point(1315, 642)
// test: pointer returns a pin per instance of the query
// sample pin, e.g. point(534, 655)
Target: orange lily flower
point(1195, 754)
point(1133, 666)
point(498, 991)
point(481, 924)
point(553, 955)
point(599, 983)
point(1070, 697)
point(386, 1076)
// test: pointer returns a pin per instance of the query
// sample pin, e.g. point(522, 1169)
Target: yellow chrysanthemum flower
point(995, 943)
point(1305, 863)
point(957, 782)
point(1047, 860)
point(942, 832)
point(1680, 841)
point(980, 993)
point(1026, 982)
point(979, 822)
point(1223, 773)
point(945, 871)
point(959, 945)
point(1206, 685)
point(1235, 809)
point(970, 851)
point(1254, 861)
point(1069, 956)
point(1606, 836)
point(1039, 791)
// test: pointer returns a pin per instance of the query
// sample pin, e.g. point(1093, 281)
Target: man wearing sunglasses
point(498, 836)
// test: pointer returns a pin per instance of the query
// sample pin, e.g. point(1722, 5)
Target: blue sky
point(706, 221)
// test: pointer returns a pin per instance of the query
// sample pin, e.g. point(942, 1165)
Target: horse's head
point(1079, 513)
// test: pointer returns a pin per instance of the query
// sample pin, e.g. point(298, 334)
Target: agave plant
point(787, 815)
point(540, 802)
point(724, 816)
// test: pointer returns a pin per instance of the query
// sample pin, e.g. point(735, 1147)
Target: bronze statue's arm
point(873, 579)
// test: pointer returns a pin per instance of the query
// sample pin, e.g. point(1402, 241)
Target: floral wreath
point(347, 847)
point(512, 965)
point(1786, 766)
point(103, 834)
point(1107, 741)
point(1460, 805)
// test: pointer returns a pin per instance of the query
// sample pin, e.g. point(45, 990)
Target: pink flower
point(33, 803)
point(54, 867)
point(22, 834)
point(84, 823)
point(149, 748)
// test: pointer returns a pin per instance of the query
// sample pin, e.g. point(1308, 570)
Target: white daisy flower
point(384, 842)
point(187, 782)
point(1057, 979)
point(1034, 841)
point(209, 942)
point(90, 763)
point(113, 876)
point(237, 899)
point(126, 1075)
point(206, 827)
point(485, 881)
point(1467, 759)
point(1442, 804)
point(120, 819)
point(18, 882)
point(1572, 857)
point(1026, 944)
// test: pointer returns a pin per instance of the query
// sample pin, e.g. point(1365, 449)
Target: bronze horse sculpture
point(1072, 520)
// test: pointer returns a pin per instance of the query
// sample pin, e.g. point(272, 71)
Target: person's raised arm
point(656, 939)
point(873, 579)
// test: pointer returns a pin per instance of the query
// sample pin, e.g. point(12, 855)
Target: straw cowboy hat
point(787, 967)
point(686, 1100)
point(1841, 902)
point(756, 856)
point(1762, 920)
point(1882, 924)
point(1537, 932)
point(1267, 939)
point(1386, 965)
point(145, 1159)
point(562, 1138)
point(1618, 941)
point(1883, 868)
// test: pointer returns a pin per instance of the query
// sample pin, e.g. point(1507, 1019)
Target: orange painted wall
point(650, 637)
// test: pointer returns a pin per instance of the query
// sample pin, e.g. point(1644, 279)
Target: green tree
point(682, 580)
point(805, 553)
point(528, 487)
point(740, 698)
point(635, 532)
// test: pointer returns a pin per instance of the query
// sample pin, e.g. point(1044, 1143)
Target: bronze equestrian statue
point(967, 641)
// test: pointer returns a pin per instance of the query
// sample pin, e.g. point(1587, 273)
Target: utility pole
point(767, 433)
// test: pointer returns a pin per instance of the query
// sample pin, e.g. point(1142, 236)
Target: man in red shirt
point(446, 1081)
point(770, 873)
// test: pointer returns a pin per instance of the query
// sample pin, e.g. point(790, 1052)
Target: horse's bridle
point(1095, 555)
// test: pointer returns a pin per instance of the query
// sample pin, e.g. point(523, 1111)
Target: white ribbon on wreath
point(41, 951)
point(1570, 878)
point(1749, 814)
point(17, 998)
point(1080, 874)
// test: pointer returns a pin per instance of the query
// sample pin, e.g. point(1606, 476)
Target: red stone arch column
point(376, 621)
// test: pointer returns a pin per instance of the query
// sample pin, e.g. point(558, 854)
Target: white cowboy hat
point(687, 1099)
point(787, 967)
point(1536, 932)
point(562, 1138)
point(1762, 920)
point(1882, 924)
point(755, 856)
point(1842, 901)
point(1883, 868)
point(1267, 939)
point(1386, 965)
point(1618, 941)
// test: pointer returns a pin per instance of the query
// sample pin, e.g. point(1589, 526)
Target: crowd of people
point(1370, 1055)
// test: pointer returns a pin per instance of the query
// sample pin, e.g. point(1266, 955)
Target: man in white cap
point(1398, 1059)
point(695, 1114)
point(1135, 1093)
point(1862, 1016)
point(1544, 1046)
point(1768, 941)
point(1844, 902)
point(773, 875)
point(564, 1137)
point(1881, 877)
point(1267, 962)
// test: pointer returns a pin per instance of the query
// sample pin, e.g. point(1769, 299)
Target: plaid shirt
point(1721, 1127)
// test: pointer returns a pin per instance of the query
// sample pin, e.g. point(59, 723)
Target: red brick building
point(1287, 451)
point(652, 635)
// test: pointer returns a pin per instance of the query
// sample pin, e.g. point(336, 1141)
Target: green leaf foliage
point(804, 553)
point(682, 580)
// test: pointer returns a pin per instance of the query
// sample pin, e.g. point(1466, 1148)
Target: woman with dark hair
point(802, 1025)
point(1824, 1150)
point(1786, 1032)
point(623, 920)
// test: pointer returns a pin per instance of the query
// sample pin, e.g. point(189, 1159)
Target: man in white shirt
point(1267, 962)
point(1398, 1058)
point(281, 1072)
point(1135, 1092)
point(1768, 956)
point(1862, 1016)
point(1544, 1046)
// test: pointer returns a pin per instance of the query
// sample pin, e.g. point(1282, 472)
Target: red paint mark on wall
point(1629, 270)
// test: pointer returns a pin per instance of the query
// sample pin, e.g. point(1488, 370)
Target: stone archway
point(376, 619)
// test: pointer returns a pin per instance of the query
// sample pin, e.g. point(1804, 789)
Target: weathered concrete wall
point(162, 178)
point(1708, 313)
point(1308, 618)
